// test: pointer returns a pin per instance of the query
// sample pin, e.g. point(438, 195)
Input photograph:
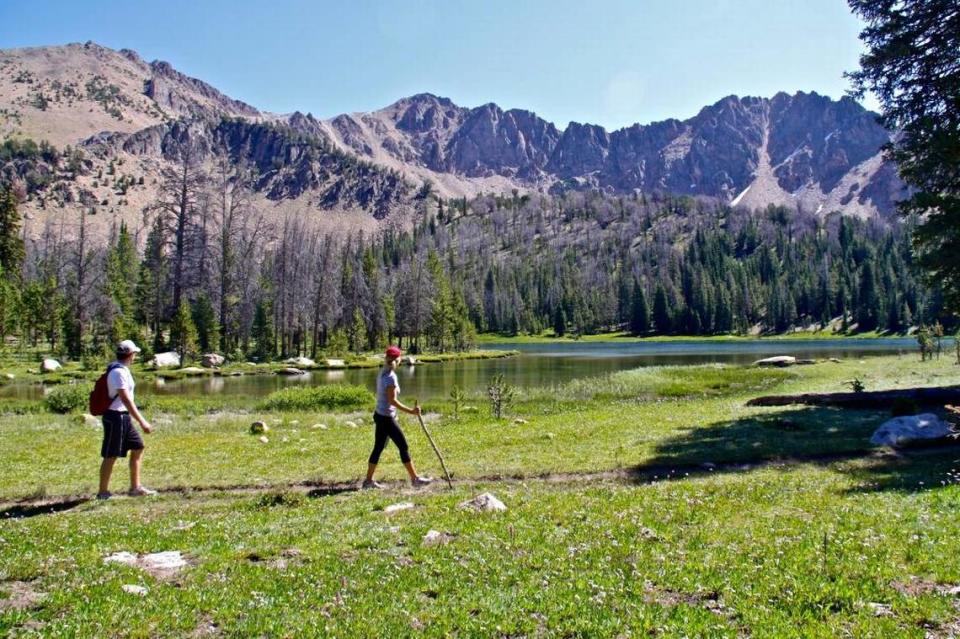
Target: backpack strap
point(110, 368)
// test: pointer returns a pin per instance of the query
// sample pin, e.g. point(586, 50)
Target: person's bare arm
point(392, 398)
point(132, 408)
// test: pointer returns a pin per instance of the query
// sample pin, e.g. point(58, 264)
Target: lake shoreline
point(622, 337)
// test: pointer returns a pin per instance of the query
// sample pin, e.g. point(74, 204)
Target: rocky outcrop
point(188, 96)
point(811, 145)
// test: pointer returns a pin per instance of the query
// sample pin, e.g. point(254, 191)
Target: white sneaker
point(421, 481)
point(369, 484)
point(142, 491)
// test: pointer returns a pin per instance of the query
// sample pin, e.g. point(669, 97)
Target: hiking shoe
point(369, 484)
point(104, 496)
point(421, 481)
point(142, 492)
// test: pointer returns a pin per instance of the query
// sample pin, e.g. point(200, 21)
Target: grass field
point(647, 502)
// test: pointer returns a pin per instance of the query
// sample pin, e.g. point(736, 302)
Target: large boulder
point(335, 363)
point(301, 362)
point(911, 429)
point(49, 365)
point(290, 371)
point(166, 360)
point(212, 360)
point(779, 360)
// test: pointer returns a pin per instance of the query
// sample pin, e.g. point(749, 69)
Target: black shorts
point(119, 435)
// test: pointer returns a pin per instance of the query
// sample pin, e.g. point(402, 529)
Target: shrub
point(282, 498)
point(334, 396)
point(68, 398)
point(501, 394)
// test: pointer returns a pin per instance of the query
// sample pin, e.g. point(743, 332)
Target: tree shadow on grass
point(26, 510)
point(815, 435)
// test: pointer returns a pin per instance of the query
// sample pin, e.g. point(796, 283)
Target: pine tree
point(205, 321)
point(183, 333)
point(912, 65)
point(661, 311)
point(151, 291)
point(262, 334)
point(559, 321)
point(11, 243)
point(639, 312)
point(120, 286)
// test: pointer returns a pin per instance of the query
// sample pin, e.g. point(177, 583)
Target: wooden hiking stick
point(435, 449)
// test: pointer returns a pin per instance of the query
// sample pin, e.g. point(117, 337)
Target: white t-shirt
point(119, 378)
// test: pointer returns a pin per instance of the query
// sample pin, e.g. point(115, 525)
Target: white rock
point(91, 421)
point(335, 363)
point(410, 360)
point(49, 365)
point(485, 502)
point(779, 360)
point(212, 360)
point(166, 360)
point(520, 420)
point(436, 538)
point(169, 560)
point(319, 427)
point(122, 557)
point(192, 370)
point(350, 424)
point(301, 361)
point(135, 590)
point(901, 431)
point(264, 439)
point(10, 376)
point(395, 508)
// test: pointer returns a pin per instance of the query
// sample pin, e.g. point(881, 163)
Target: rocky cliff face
point(789, 149)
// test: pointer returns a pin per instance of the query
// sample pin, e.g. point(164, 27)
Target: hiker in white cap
point(114, 392)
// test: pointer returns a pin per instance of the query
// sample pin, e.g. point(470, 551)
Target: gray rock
point(302, 362)
point(290, 371)
point(903, 431)
point(437, 538)
point(212, 360)
point(49, 365)
point(484, 502)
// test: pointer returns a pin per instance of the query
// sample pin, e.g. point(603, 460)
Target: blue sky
point(605, 62)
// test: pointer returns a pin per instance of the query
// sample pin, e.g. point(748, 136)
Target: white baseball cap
point(126, 347)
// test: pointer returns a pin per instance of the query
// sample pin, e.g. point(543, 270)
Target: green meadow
point(644, 502)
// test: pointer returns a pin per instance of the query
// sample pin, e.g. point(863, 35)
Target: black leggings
point(388, 427)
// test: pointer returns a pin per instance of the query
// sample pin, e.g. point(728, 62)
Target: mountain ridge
point(802, 150)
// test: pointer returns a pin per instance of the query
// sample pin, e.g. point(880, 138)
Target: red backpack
point(100, 399)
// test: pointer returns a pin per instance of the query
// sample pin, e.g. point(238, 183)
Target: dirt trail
point(30, 507)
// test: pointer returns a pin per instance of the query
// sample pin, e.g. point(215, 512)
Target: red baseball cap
point(393, 352)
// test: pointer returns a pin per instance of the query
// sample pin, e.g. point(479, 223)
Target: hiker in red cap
point(385, 418)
